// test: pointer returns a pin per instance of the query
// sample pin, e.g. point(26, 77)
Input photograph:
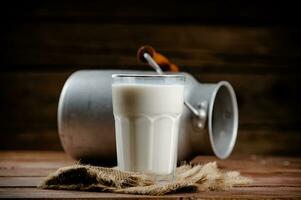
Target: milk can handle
point(146, 54)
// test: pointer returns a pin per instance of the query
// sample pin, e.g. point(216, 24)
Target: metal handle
point(152, 63)
point(200, 112)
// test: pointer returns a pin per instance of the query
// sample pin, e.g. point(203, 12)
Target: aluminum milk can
point(208, 124)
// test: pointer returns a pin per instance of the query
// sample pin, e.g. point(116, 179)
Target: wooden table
point(274, 177)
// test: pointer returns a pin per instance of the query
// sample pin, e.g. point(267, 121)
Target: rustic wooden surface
point(274, 177)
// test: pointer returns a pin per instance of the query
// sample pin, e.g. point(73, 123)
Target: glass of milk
point(147, 110)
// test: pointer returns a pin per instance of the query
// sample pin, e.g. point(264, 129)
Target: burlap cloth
point(188, 179)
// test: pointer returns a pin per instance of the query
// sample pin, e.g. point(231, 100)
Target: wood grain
point(231, 13)
point(274, 177)
point(236, 193)
point(107, 46)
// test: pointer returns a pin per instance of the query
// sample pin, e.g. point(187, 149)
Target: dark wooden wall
point(254, 45)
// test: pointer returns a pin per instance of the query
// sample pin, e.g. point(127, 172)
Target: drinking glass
point(147, 110)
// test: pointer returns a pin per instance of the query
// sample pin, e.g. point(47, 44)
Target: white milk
point(147, 122)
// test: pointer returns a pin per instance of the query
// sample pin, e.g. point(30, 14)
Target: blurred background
point(255, 45)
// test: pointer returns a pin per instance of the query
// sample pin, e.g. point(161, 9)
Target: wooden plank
point(32, 163)
point(40, 94)
point(261, 140)
point(14, 182)
point(237, 193)
point(195, 12)
point(258, 166)
point(25, 172)
point(30, 168)
point(34, 156)
point(259, 181)
point(30, 137)
point(31, 193)
point(277, 181)
point(80, 44)
point(53, 165)
point(274, 177)
point(255, 165)
point(263, 98)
